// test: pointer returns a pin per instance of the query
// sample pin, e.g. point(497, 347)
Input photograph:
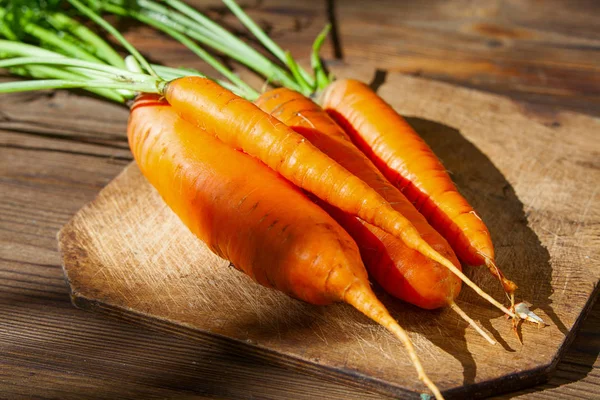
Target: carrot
point(242, 125)
point(265, 226)
point(401, 271)
point(206, 104)
point(363, 109)
point(406, 160)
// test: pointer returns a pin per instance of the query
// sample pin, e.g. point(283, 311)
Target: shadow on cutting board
point(519, 252)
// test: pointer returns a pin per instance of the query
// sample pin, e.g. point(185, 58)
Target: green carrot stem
point(220, 39)
point(264, 39)
point(295, 69)
point(27, 86)
point(321, 78)
point(200, 52)
point(297, 74)
point(239, 87)
point(195, 20)
point(225, 43)
point(201, 19)
point(25, 50)
point(132, 65)
point(103, 50)
point(213, 34)
point(111, 29)
point(13, 48)
point(47, 36)
point(175, 16)
point(10, 47)
point(192, 23)
point(205, 30)
point(82, 74)
point(261, 65)
point(116, 73)
point(44, 72)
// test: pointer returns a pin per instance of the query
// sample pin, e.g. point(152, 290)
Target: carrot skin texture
point(408, 162)
point(242, 125)
point(401, 271)
point(245, 212)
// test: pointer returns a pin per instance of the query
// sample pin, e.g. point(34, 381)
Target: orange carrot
point(401, 271)
point(253, 217)
point(242, 125)
point(406, 160)
point(372, 123)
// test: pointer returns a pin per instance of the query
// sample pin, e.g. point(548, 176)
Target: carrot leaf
point(306, 88)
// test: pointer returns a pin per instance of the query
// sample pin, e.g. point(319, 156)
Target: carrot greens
point(55, 64)
point(196, 26)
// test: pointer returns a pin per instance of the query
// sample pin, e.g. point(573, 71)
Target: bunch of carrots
point(324, 186)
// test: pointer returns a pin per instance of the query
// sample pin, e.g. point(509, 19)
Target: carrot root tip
point(523, 312)
point(470, 321)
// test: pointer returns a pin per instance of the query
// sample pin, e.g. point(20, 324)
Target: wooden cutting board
point(534, 179)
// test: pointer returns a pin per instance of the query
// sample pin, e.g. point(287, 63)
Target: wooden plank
point(117, 260)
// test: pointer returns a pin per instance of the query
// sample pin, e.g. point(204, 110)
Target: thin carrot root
point(425, 249)
point(508, 285)
point(365, 301)
point(470, 321)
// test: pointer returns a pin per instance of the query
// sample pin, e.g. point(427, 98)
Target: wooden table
point(57, 150)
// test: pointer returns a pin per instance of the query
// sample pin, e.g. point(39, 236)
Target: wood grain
point(69, 146)
point(127, 253)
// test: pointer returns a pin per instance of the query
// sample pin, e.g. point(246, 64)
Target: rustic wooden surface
point(58, 150)
point(117, 260)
